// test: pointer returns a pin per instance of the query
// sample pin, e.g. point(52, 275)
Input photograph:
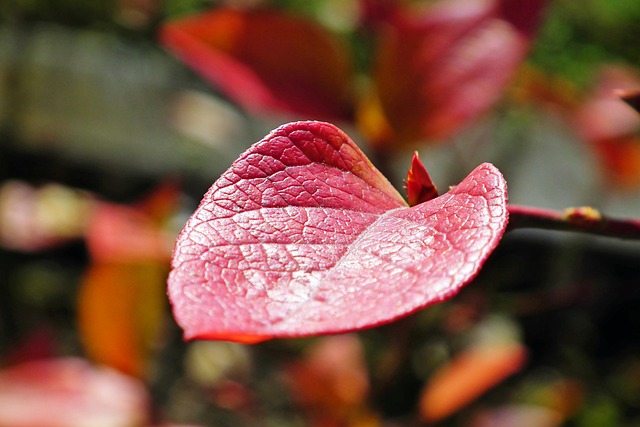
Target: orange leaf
point(620, 160)
point(120, 311)
point(468, 376)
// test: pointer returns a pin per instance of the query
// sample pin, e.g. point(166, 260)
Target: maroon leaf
point(420, 187)
point(303, 236)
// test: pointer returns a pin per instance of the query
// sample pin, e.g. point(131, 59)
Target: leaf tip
point(420, 186)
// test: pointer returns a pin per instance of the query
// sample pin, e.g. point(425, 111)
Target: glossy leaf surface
point(303, 236)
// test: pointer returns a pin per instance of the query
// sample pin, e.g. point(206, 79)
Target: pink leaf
point(303, 236)
point(70, 393)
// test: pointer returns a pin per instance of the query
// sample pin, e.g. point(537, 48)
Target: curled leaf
point(303, 236)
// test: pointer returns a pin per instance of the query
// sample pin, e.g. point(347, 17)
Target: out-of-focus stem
point(582, 219)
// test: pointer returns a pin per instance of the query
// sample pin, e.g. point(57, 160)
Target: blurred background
point(116, 116)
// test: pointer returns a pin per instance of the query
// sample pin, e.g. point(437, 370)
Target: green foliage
point(66, 12)
point(177, 8)
point(577, 36)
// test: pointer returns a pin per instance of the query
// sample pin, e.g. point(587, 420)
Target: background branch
point(581, 219)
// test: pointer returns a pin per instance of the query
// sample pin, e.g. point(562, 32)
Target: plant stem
point(583, 219)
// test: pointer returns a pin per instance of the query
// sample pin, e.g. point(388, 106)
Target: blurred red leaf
point(420, 187)
point(70, 393)
point(374, 13)
point(161, 203)
point(118, 233)
point(233, 395)
point(439, 68)
point(435, 69)
point(524, 15)
point(612, 128)
point(332, 381)
point(467, 376)
point(38, 344)
point(285, 242)
point(120, 311)
point(266, 61)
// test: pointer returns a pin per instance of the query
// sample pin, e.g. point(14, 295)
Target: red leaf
point(303, 236)
point(70, 393)
point(611, 128)
point(438, 69)
point(420, 187)
point(119, 233)
point(266, 61)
